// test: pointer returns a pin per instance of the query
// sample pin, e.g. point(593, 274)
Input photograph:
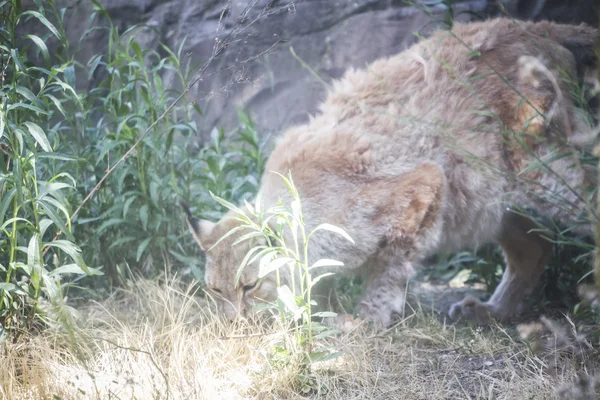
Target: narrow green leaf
point(26, 93)
point(269, 266)
point(229, 233)
point(27, 107)
point(227, 204)
point(318, 278)
point(169, 141)
point(321, 356)
point(335, 229)
point(287, 297)
point(289, 183)
point(57, 104)
point(50, 213)
point(158, 85)
point(184, 259)
point(22, 266)
point(326, 263)
point(41, 45)
point(56, 156)
point(128, 204)
point(52, 187)
point(33, 255)
point(5, 203)
point(9, 287)
point(11, 220)
point(45, 21)
point(2, 125)
point(66, 87)
point(108, 223)
point(39, 136)
point(141, 248)
point(20, 138)
point(144, 216)
point(544, 163)
point(93, 64)
point(244, 263)
point(73, 269)
point(44, 225)
point(72, 250)
point(246, 237)
point(16, 57)
point(154, 194)
point(296, 210)
point(83, 221)
point(50, 287)
point(69, 74)
point(121, 241)
point(64, 175)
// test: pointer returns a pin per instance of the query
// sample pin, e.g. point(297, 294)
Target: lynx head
point(223, 260)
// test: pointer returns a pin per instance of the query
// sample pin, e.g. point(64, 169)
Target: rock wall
point(258, 72)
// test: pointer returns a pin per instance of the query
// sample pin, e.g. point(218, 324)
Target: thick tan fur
point(423, 152)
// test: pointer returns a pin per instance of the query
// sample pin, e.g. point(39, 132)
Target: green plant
point(35, 91)
point(287, 246)
point(133, 220)
point(56, 144)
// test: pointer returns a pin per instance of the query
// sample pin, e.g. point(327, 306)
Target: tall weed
point(285, 253)
point(36, 90)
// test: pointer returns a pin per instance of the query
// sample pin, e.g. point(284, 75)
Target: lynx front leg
point(526, 254)
point(385, 294)
point(323, 293)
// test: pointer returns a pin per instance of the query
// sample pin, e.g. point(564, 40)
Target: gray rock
point(328, 35)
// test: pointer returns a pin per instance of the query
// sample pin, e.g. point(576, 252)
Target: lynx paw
point(381, 318)
point(347, 323)
point(472, 309)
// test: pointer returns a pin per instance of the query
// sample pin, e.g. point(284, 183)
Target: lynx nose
point(232, 312)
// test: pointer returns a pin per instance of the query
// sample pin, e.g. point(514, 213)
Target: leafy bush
point(134, 219)
point(34, 190)
point(57, 144)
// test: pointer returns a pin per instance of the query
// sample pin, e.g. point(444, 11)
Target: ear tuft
point(200, 229)
point(186, 208)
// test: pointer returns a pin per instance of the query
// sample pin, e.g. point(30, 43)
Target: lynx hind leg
point(526, 254)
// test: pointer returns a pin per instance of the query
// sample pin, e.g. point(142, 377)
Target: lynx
point(435, 149)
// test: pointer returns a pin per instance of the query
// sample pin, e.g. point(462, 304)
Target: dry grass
point(158, 341)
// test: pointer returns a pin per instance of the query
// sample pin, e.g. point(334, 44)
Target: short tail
point(581, 40)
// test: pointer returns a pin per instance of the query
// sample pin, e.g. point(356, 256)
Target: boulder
point(258, 72)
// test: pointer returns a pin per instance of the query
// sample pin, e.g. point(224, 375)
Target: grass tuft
point(158, 340)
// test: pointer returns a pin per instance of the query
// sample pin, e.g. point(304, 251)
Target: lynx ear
point(199, 228)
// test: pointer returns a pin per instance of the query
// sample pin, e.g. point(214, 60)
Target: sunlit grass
point(161, 340)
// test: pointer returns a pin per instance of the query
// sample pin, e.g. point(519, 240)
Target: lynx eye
point(249, 287)
point(216, 290)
